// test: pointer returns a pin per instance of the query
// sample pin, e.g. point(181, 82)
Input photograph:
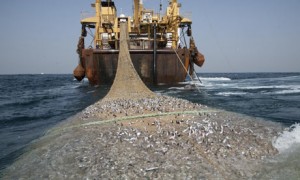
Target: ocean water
point(31, 104)
point(272, 96)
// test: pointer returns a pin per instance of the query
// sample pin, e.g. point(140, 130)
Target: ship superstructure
point(161, 46)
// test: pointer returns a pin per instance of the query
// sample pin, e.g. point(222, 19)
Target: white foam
point(288, 91)
point(85, 79)
point(215, 79)
point(176, 88)
point(185, 82)
point(261, 87)
point(89, 92)
point(288, 138)
point(230, 93)
point(75, 86)
point(270, 87)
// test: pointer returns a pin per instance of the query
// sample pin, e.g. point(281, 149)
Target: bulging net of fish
point(127, 83)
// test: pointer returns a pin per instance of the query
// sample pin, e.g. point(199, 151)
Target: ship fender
point(196, 56)
point(79, 72)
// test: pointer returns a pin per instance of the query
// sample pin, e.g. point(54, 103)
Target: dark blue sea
point(31, 104)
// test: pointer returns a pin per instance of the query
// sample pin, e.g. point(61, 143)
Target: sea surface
point(31, 104)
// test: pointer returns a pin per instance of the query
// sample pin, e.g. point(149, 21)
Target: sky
point(39, 36)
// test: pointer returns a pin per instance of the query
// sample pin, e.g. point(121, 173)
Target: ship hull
point(166, 66)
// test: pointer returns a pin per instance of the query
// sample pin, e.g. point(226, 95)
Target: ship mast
point(98, 23)
point(136, 12)
point(174, 20)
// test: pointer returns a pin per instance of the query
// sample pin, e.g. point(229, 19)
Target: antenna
point(132, 6)
point(160, 5)
point(160, 8)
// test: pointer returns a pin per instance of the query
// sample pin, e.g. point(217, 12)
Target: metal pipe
point(154, 55)
point(136, 12)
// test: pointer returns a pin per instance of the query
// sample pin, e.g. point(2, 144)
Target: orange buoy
point(199, 58)
point(79, 72)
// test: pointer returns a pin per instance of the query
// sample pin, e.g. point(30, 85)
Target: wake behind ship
point(161, 47)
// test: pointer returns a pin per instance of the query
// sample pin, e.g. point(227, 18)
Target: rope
point(197, 77)
point(145, 116)
point(126, 118)
point(187, 71)
point(185, 45)
point(91, 34)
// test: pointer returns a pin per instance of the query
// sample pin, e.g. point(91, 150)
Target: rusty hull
point(101, 65)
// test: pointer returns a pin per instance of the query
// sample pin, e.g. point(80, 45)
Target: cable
point(126, 118)
point(187, 71)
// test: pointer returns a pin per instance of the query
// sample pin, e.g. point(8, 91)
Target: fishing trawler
point(161, 47)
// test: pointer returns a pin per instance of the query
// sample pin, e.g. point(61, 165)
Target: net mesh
point(127, 83)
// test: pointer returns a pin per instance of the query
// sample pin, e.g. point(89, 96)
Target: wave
point(22, 120)
point(27, 101)
point(230, 93)
point(286, 164)
point(288, 139)
point(268, 87)
point(176, 88)
point(85, 79)
point(185, 82)
point(273, 89)
point(288, 78)
point(215, 79)
point(287, 91)
point(271, 77)
point(291, 91)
